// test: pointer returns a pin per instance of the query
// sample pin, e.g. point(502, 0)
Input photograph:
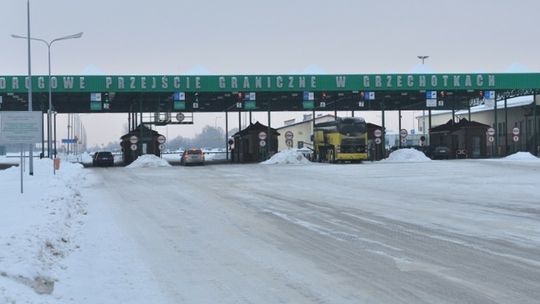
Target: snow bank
point(149, 161)
point(172, 156)
point(86, 158)
point(214, 155)
point(39, 228)
point(287, 157)
point(9, 160)
point(406, 155)
point(521, 156)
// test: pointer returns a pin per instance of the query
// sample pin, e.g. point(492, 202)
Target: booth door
point(476, 151)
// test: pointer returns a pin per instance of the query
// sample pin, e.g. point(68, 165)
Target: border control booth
point(466, 139)
point(253, 144)
point(140, 141)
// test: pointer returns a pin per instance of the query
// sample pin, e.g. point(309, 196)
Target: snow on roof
point(407, 155)
point(510, 103)
point(148, 161)
point(287, 157)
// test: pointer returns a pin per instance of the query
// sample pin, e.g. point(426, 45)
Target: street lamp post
point(423, 58)
point(49, 44)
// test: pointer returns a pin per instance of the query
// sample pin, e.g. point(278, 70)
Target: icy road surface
point(433, 232)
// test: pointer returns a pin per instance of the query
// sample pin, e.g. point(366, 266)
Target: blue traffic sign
point(179, 96)
point(431, 94)
point(308, 96)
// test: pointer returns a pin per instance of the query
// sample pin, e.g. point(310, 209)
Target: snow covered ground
point(38, 229)
point(464, 231)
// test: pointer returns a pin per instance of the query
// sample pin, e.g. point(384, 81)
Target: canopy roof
point(214, 93)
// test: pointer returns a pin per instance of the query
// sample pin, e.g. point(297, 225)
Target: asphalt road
point(256, 234)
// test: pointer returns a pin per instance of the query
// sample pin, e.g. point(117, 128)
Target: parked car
point(192, 157)
point(438, 152)
point(422, 149)
point(103, 158)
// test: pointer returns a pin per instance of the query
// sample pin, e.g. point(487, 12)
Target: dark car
point(438, 152)
point(103, 159)
point(422, 149)
point(192, 157)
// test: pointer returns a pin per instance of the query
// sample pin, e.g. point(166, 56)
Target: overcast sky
point(268, 37)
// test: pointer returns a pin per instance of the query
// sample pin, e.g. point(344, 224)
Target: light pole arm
point(49, 120)
point(36, 39)
point(74, 36)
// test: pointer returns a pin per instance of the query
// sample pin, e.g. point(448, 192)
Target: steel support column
point(129, 120)
point(239, 121)
point(505, 127)
point(383, 132)
point(429, 120)
point(496, 127)
point(54, 131)
point(535, 126)
point(399, 126)
point(313, 127)
point(141, 129)
point(269, 132)
point(43, 135)
point(453, 109)
point(469, 111)
point(226, 135)
point(68, 132)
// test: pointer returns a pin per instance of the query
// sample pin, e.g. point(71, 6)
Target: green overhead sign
point(273, 83)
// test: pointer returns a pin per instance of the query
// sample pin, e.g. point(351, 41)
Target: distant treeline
point(210, 137)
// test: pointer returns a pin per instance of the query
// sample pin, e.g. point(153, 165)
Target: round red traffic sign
point(289, 135)
point(515, 131)
point(378, 141)
point(180, 117)
point(491, 139)
point(403, 133)
point(515, 138)
point(491, 131)
point(377, 133)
